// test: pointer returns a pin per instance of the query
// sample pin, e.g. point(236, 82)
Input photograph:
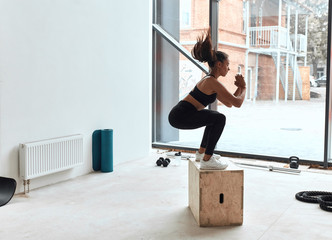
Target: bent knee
point(221, 119)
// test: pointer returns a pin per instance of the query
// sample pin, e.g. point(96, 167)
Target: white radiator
point(49, 156)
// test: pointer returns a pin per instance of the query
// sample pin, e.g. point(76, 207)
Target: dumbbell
point(162, 161)
point(294, 162)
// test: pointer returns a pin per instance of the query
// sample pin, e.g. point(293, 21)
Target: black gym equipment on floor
point(163, 162)
point(7, 190)
point(323, 198)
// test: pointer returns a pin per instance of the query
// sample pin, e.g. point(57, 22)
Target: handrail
point(267, 36)
point(296, 71)
point(295, 67)
point(283, 71)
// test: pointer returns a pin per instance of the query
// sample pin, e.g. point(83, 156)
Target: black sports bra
point(203, 98)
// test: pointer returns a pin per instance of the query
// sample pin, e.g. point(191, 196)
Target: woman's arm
point(229, 99)
point(241, 93)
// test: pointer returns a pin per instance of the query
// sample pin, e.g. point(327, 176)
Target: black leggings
point(185, 116)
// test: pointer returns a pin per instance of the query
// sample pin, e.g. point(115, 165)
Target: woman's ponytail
point(203, 51)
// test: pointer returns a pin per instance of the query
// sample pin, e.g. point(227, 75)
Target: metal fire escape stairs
point(276, 41)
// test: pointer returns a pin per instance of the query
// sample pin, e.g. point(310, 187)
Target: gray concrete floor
point(142, 201)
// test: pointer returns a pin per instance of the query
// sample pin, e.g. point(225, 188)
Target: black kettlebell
point(178, 154)
point(294, 162)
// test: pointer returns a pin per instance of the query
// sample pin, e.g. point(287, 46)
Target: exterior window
point(185, 13)
point(274, 44)
point(244, 17)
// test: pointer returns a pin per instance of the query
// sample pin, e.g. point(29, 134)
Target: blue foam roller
point(107, 150)
point(96, 150)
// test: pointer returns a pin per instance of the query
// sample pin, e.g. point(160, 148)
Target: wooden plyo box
point(216, 196)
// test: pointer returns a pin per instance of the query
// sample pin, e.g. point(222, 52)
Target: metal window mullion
point(213, 21)
point(328, 106)
point(178, 46)
point(154, 12)
point(154, 72)
point(154, 87)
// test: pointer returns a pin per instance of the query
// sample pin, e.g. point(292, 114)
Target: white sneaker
point(200, 156)
point(213, 164)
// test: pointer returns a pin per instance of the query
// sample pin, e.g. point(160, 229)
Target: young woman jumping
point(190, 113)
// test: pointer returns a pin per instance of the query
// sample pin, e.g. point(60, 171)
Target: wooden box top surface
point(231, 166)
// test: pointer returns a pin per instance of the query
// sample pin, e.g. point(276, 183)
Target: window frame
point(213, 22)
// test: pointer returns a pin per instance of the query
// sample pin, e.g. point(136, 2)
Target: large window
point(185, 14)
point(281, 49)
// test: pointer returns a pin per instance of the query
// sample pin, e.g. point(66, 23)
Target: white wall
point(74, 66)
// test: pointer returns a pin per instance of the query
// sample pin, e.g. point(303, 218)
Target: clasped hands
point(239, 81)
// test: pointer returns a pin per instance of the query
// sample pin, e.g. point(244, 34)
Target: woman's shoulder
point(208, 81)
point(207, 85)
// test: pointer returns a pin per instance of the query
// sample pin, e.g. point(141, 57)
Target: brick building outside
point(257, 40)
